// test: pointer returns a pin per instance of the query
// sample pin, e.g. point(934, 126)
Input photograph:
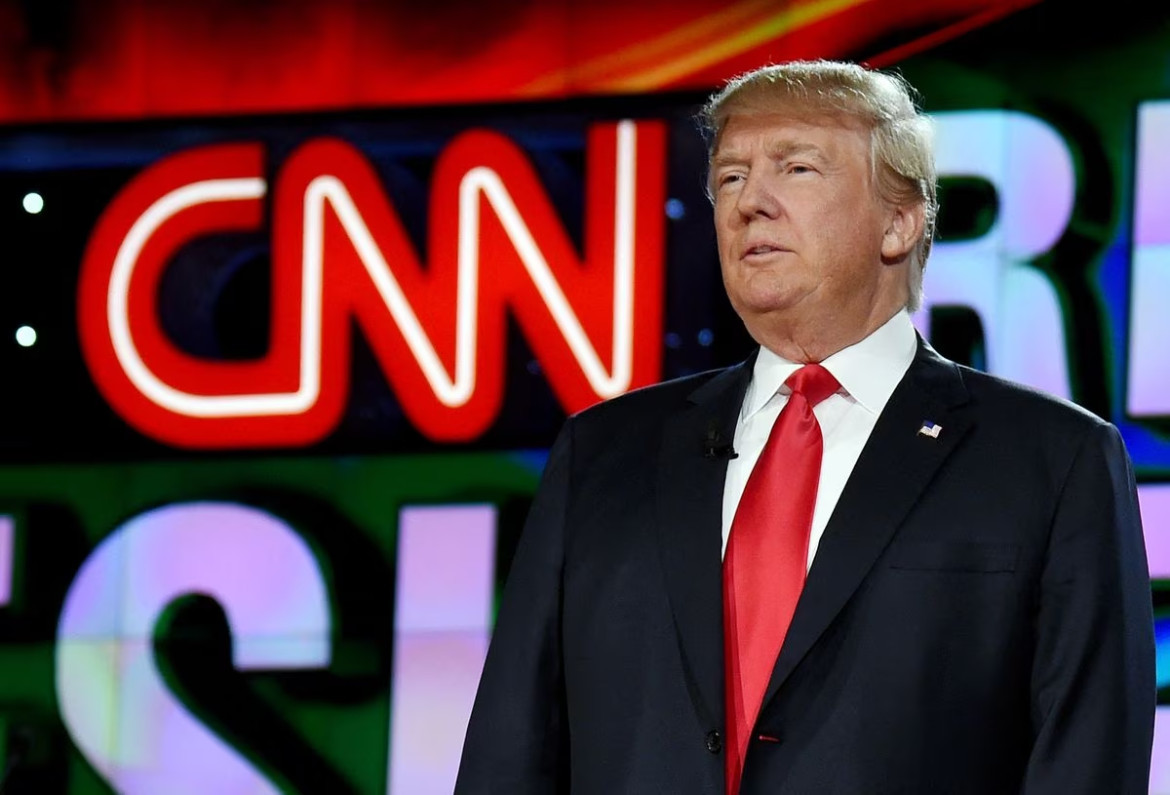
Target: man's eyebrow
point(782, 150)
point(725, 158)
point(785, 150)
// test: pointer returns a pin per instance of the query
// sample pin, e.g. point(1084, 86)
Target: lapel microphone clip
point(714, 446)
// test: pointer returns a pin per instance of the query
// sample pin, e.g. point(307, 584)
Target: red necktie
point(767, 554)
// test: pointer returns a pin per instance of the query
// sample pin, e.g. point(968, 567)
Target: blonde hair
point(901, 136)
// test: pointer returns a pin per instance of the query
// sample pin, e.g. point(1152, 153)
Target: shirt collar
point(868, 370)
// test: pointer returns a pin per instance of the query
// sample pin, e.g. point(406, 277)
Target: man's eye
point(799, 168)
point(730, 179)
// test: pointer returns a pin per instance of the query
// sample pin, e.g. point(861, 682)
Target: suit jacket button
point(714, 742)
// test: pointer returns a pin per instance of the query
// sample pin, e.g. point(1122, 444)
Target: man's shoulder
point(652, 402)
point(1019, 404)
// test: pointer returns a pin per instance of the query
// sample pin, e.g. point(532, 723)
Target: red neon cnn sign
point(339, 251)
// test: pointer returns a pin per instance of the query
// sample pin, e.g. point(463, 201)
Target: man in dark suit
point(846, 565)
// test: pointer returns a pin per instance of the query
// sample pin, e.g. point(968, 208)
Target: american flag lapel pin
point(929, 429)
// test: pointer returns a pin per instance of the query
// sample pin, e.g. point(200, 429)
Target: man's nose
point(758, 197)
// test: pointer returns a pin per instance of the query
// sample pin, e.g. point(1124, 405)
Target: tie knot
point(814, 382)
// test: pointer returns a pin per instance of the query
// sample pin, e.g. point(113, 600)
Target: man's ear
point(903, 231)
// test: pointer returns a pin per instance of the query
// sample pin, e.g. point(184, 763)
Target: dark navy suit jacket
point(977, 618)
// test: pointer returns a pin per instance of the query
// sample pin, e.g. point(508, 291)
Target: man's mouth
point(761, 249)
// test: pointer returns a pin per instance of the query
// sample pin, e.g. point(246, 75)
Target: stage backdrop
point(298, 294)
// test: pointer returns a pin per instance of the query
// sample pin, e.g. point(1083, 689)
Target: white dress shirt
point(868, 372)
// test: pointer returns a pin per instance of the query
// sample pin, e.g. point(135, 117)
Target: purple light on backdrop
point(1030, 167)
point(114, 702)
point(1154, 499)
point(1149, 322)
point(442, 622)
point(7, 542)
point(1151, 217)
point(1160, 765)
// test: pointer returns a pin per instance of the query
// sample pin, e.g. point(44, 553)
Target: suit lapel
point(689, 507)
point(894, 468)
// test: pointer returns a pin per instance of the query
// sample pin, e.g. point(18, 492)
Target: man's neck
point(818, 341)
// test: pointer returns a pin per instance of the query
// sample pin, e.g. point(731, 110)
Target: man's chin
point(771, 305)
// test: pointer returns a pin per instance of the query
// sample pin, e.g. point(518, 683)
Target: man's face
point(799, 224)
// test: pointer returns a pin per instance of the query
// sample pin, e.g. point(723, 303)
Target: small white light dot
point(26, 336)
point(33, 203)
